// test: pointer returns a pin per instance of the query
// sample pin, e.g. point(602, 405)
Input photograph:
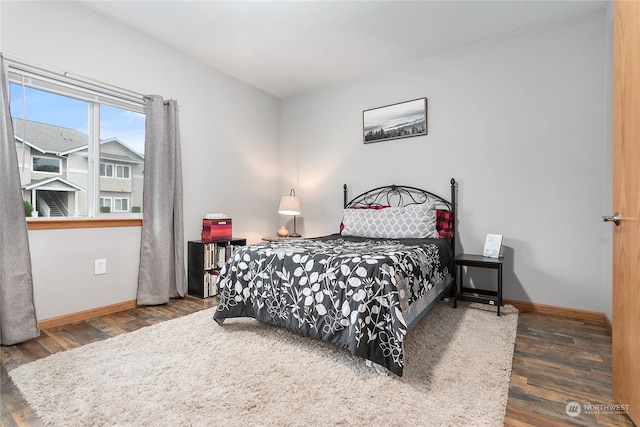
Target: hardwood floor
point(557, 360)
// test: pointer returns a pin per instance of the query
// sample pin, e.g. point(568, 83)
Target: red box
point(216, 229)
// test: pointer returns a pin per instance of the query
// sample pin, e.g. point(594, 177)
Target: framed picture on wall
point(401, 120)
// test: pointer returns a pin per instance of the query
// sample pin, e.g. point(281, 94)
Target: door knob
point(616, 218)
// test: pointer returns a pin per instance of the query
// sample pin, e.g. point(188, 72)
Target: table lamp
point(290, 205)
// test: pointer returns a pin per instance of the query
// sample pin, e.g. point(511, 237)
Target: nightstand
point(278, 238)
point(480, 261)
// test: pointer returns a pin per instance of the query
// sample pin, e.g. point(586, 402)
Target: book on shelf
point(492, 246)
point(216, 255)
point(220, 256)
point(212, 255)
point(213, 283)
point(206, 256)
point(206, 286)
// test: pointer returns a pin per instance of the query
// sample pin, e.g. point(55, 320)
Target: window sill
point(64, 223)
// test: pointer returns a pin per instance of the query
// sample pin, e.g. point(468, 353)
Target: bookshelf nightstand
point(463, 293)
point(205, 259)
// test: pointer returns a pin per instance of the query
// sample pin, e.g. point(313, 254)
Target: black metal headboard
point(402, 195)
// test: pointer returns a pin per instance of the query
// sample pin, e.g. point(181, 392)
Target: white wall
point(607, 205)
point(229, 130)
point(63, 267)
point(520, 121)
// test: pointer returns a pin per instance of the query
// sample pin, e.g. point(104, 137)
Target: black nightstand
point(482, 262)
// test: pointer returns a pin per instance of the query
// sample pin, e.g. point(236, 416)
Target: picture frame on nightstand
point(492, 246)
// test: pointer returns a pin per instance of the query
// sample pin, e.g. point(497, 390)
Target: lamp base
point(295, 233)
point(283, 232)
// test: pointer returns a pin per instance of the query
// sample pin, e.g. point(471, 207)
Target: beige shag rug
point(192, 372)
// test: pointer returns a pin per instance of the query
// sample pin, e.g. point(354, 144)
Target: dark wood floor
point(557, 360)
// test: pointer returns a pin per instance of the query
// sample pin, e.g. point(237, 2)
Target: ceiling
point(290, 47)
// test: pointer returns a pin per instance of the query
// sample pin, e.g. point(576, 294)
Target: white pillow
point(409, 222)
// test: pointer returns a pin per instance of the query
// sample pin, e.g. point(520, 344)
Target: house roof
point(119, 159)
point(134, 153)
point(50, 139)
point(53, 183)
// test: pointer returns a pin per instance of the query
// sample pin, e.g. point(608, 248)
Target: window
point(45, 164)
point(122, 148)
point(120, 204)
point(105, 202)
point(61, 125)
point(106, 170)
point(122, 171)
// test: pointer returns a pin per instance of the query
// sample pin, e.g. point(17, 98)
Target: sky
point(58, 110)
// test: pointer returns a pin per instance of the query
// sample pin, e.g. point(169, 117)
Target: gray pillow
point(409, 222)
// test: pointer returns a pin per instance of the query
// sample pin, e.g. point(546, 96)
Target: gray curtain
point(162, 273)
point(18, 321)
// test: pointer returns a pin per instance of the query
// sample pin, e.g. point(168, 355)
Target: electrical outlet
point(100, 266)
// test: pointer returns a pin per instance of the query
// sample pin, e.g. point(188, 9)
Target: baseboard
point(559, 311)
point(520, 305)
point(608, 321)
point(87, 314)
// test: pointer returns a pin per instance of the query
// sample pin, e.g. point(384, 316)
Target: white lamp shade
point(289, 205)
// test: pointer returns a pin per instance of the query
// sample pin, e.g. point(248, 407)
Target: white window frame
point(122, 167)
point(107, 164)
point(115, 204)
point(66, 84)
point(59, 160)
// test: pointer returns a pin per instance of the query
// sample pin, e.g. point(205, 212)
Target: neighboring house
point(54, 172)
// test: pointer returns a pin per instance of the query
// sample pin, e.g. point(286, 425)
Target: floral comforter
point(347, 291)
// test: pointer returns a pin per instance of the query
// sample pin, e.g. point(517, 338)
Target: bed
point(363, 288)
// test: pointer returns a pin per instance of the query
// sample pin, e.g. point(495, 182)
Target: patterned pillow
point(364, 207)
point(444, 223)
point(413, 221)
